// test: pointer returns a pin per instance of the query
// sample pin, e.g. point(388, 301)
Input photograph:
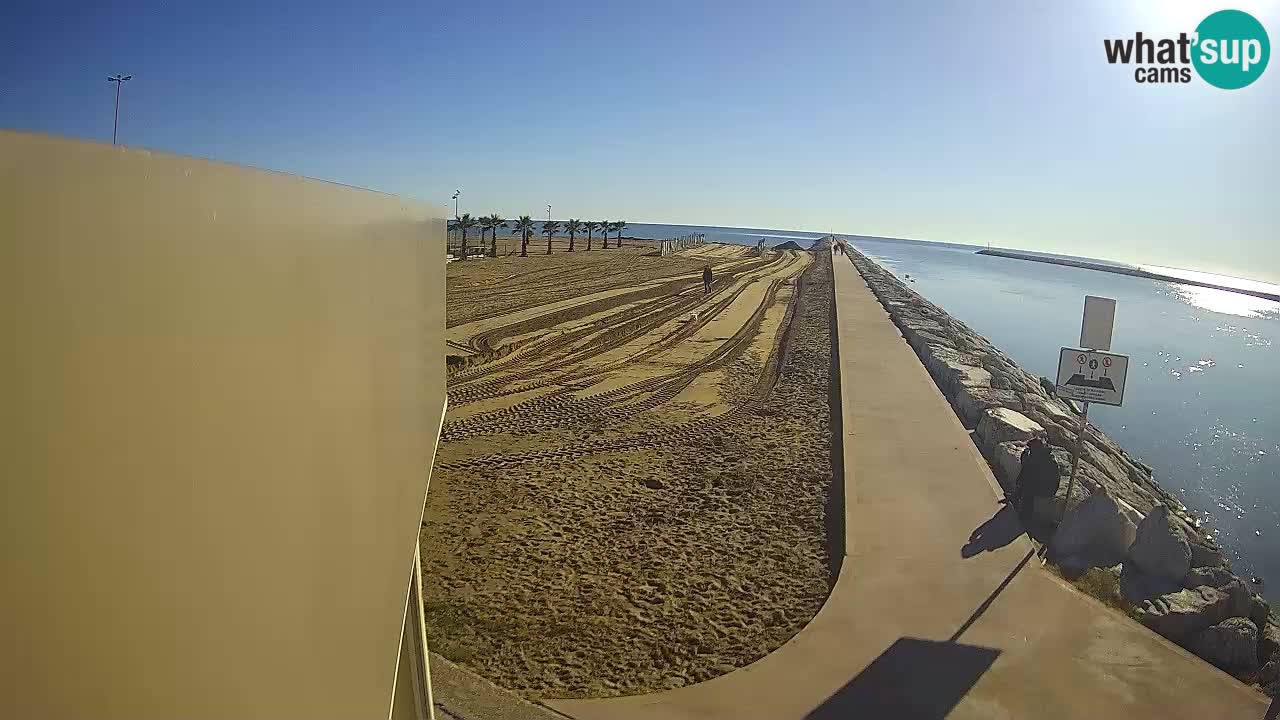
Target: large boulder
point(926, 343)
point(1094, 453)
point(1269, 641)
point(1096, 529)
point(1203, 555)
point(1179, 615)
point(1061, 427)
point(1058, 434)
point(1185, 525)
point(1211, 576)
point(967, 342)
point(1130, 512)
point(958, 375)
point(1159, 549)
point(999, 425)
point(938, 359)
point(1049, 509)
point(1231, 645)
point(971, 402)
point(1241, 598)
point(1136, 586)
point(1006, 462)
point(1259, 611)
point(952, 369)
point(1269, 673)
point(1055, 411)
point(1002, 380)
point(1016, 380)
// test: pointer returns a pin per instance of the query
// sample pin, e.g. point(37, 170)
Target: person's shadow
point(1001, 529)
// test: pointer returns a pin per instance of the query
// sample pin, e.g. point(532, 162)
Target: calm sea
point(1202, 403)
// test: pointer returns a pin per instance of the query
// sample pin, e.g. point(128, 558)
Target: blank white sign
point(1099, 318)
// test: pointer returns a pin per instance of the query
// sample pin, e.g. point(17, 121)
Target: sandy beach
point(631, 488)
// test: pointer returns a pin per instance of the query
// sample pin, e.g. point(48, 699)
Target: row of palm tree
point(525, 227)
point(488, 222)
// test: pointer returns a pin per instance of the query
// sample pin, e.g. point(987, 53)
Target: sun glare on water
point(1224, 301)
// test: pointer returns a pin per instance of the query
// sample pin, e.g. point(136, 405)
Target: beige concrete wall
point(220, 391)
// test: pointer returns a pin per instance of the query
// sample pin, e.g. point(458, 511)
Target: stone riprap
point(1140, 532)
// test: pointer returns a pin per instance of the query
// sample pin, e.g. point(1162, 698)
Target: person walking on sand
point(1037, 479)
point(706, 279)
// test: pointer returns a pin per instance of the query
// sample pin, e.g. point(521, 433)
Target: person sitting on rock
point(1037, 479)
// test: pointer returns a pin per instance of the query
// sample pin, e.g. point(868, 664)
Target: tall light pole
point(548, 213)
point(456, 193)
point(119, 80)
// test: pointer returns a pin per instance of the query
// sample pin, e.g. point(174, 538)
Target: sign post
point(1091, 375)
point(1075, 457)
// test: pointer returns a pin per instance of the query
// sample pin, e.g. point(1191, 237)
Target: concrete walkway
point(915, 629)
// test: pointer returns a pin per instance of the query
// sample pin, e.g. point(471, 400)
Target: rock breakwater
point(1177, 580)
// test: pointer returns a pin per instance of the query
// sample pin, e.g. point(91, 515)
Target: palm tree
point(591, 227)
point(481, 223)
point(525, 227)
point(573, 227)
point(550, 227)
point(618, 227)
point(464, 223)
point(492, 222)
point(605, 228)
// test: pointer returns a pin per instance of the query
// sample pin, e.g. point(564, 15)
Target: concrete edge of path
point(459, 694)
point(913, 626)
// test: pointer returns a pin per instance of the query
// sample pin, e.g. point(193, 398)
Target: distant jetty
point(1123, 270)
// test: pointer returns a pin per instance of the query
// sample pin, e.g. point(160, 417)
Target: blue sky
point(964, 122)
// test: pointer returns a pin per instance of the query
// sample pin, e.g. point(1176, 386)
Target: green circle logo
point(1232, 49)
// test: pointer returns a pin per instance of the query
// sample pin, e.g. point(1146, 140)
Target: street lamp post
point(548, 213)
point(119, 80)
point(456, 193)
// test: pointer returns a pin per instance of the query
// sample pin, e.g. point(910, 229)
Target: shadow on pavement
point(982, 607)
point(925, 678)
point(913, 679)
point(1001, 529)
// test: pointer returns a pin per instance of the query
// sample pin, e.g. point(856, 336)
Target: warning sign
point(1092, 376)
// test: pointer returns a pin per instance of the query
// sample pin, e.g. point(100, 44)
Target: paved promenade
point(914, 627)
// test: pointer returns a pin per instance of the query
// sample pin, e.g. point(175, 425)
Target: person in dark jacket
point(706, 278)
point(1038, 478)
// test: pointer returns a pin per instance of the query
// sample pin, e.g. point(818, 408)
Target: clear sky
point(956, 121)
